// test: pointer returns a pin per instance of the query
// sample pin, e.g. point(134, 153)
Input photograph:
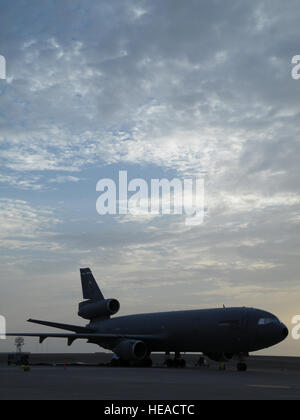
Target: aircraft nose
point(285, 331)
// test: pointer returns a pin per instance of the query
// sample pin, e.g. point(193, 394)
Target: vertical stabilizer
point(90, 288)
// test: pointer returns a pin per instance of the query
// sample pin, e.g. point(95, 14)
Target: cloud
point(61, 179)
point(22, 224)
point(27, 183)
point(156, 85)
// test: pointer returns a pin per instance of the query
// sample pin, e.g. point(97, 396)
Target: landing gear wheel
point(115, 363)
point(148, 362)
point(242, 367)
point(182, 363)
point(169, 363)
point(124, 363)
point(176, 363)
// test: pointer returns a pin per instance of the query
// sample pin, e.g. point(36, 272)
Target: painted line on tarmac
point(270, 386)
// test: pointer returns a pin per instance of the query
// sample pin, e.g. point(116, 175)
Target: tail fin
point(90, 288)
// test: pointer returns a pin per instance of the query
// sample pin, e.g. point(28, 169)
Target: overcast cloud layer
point(161, 89)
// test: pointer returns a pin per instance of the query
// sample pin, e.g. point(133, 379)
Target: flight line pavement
point(158, 383)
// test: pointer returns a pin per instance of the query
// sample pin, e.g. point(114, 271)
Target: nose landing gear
point(242, 365)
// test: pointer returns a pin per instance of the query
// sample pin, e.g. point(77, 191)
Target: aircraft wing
point(84, 333)
point(90, 336)
point(67, 327)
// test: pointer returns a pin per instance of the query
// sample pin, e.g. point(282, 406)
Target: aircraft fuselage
point(228, 330)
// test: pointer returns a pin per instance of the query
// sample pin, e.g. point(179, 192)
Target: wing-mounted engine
point(131, 350)
point(98, 310)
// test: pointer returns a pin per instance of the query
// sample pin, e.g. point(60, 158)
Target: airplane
point(219, 334)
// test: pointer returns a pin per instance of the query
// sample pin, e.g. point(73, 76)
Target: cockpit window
point(267, 321)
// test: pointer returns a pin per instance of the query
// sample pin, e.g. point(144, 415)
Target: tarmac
point(266, 379)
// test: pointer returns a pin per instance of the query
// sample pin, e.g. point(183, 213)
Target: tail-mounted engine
point(100, 309)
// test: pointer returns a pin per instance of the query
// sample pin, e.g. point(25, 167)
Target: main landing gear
point(144, 363)
point(177, 362)
point(117, 362)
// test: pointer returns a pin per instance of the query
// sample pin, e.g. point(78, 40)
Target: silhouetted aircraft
point(220, 334)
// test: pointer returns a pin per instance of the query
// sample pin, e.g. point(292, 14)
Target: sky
point(161, 89)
